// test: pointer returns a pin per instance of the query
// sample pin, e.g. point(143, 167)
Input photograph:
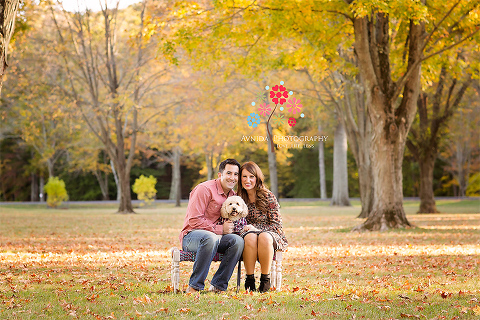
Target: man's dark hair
point(224, 163)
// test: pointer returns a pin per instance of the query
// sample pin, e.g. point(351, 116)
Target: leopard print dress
point(270, 221)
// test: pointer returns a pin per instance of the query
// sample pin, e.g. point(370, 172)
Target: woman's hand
point(249, 227)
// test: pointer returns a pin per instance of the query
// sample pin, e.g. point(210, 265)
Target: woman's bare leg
point(265, 251)
point(250, 252)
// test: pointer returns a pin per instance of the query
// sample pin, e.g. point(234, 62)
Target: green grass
point(87, 262)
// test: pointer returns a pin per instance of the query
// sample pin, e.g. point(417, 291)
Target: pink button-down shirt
point(203, 210)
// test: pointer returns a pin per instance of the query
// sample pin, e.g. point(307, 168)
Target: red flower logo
point(279, 94)
point(292, 122)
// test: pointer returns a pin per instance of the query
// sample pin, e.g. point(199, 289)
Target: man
point(204, 233)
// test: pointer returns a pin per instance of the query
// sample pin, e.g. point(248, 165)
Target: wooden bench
point(180, 255)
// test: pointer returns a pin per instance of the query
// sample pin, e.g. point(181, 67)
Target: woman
point(263, 234)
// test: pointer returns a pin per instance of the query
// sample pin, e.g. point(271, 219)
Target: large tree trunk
point(125, 203)
point(391, 116)
point(365, 180)
point(387, 157)
point(427, 198)
point(272, 168)
point(386, 153)
point(8, 11)
point(321, 166)
point(340, 171)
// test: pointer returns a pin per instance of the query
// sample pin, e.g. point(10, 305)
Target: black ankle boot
point(264, 283)
point(250, 283)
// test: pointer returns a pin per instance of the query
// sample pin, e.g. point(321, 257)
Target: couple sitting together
point(206, 233)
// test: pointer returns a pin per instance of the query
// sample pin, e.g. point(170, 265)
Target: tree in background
point(38, 110)
point(332, 92)
point(462, 148)
point(392, 104)
point(435, 110)
point(110, 73)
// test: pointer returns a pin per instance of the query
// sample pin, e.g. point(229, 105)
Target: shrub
point(473, 189)
point(56, 192)
point(145, 188)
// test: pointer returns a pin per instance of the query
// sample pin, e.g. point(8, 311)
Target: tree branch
point(438, 25)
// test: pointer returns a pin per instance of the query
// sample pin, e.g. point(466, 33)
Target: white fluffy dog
point(234, 208)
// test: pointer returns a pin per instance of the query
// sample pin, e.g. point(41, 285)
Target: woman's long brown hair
point(261, 201)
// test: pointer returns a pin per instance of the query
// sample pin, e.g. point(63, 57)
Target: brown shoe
point(191, 290)
point(214, 289)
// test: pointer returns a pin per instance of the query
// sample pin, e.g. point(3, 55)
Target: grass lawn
point(86, 262)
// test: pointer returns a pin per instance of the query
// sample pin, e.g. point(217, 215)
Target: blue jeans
point(206, 244)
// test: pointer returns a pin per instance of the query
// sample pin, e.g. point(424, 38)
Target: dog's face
point(234, 208)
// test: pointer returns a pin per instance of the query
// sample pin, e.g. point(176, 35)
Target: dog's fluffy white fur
point(234, 208)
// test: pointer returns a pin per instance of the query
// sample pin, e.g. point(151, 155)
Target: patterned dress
point(270, 221)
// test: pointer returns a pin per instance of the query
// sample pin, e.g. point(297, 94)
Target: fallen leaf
point(476, 310)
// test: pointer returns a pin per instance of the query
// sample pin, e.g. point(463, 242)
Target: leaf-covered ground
point(86, 262)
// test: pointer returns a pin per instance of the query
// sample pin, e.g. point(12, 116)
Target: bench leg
point(273, 274)
point(278, 279)
point(175, 269)
point(239, 274)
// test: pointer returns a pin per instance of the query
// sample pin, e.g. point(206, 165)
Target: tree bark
point(125, 203)
point(340, 171)
point(321, 165)
point(8, 12)
point(387, 157)
point(427, 198)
